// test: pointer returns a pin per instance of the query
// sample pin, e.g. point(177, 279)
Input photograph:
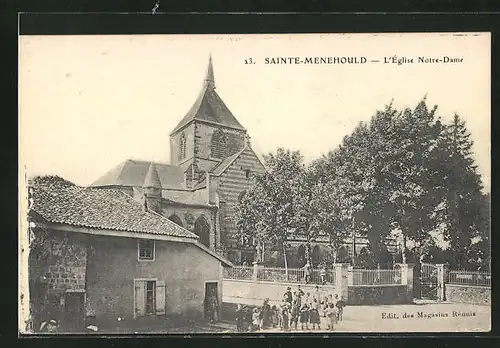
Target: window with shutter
point(160, 297)
point(140, 297)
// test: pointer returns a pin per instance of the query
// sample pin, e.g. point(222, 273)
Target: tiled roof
point(134, 172)
point(209, 107)
point(65, 203)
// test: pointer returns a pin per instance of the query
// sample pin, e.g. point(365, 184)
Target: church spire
point(209, 79)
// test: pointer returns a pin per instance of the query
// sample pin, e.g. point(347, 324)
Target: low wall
point(255, 292)
point(378, 295)
point(480, 295)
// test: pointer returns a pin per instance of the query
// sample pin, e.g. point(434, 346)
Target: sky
point(87, 103)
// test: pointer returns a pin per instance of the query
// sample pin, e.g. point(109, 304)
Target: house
point(103, 254)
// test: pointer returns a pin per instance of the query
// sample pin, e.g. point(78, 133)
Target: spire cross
point(209, 79)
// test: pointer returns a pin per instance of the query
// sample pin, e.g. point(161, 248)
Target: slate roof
point(134, 173)
point(186, 197)
point(209, 107)
point(221, 167)
point(66, 203)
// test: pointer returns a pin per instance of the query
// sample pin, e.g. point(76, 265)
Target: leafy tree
point(266, 212)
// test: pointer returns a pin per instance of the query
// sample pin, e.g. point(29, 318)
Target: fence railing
point(238, 272)
point(367, 277)
point(473, 278)
point(293, 275)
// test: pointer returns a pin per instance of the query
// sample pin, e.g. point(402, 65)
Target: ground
point(434, 317)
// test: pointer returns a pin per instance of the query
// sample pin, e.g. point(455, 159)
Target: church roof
point(134, 173)
point(222, 166)
point(196, 197)
point(209, 107)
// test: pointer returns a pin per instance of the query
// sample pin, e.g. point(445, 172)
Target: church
point(212, 164)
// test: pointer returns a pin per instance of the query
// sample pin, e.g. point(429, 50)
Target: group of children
point(298, 307)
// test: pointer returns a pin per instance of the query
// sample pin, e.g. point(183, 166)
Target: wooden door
point(74, 312)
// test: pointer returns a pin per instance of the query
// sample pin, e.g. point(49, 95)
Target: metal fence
point(238, 272)
point(294, 275)
point(473, 278)
point(369, 277)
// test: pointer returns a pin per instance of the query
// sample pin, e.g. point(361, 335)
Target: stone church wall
point(175, 145)
point(188, 216)
point(232, 183)
point(203, 138)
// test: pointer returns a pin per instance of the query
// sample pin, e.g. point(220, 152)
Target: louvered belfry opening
point(219, 144)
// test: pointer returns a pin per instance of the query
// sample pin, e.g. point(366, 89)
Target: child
point(325, 305)
point(294, 315)
point(340, 306)
point(285, 316)
point(274, 316)
point(240, 317)
point(255, 320)
point(304, 316)
point(331, 314)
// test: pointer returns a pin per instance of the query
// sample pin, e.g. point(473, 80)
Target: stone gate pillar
point(257, 266)
point(409, 282)
point(440, 281)
point(341, 279)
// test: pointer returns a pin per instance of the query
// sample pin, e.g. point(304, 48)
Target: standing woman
point(213, 308)
point(314, 318)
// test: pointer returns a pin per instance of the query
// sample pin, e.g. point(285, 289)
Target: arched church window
point(182, 147)
point(218, 144)
point(174, 218)
point(202, 230)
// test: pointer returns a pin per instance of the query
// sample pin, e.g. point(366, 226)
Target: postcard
point(239, 184)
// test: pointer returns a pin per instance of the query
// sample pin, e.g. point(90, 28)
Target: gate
point(429, 282)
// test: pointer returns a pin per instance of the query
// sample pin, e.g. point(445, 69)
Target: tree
point(413, 173)
point(386, 176)
point(266, 212)
point(463, 203)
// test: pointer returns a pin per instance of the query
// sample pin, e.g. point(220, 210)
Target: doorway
point(211, 310)
point(74, 311)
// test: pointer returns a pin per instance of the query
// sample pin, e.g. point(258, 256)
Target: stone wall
point(175, 145)
point(69, 257)
point(378, 295)
point(232, 183)
point(480, 295)
point(235, 140)
point(61, 270)
point(188, 216)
